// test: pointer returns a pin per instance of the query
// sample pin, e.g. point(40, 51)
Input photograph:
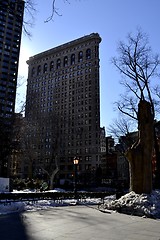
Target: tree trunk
point(157, 152)
point(53, 174)
point(140, 154)
point(52, 177)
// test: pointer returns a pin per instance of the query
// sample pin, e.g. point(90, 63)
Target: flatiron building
point(63, 107)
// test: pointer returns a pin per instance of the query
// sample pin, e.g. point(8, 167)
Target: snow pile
point(6, 208)
point(147, 205)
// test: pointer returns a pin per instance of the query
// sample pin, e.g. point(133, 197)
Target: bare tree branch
point(138, 67)
point(29, 17)
point(121, 127)
point(54, 11)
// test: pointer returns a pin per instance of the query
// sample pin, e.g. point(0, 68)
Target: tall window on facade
point(88, 53)
point(12, 6)
point(45, 68)
point(65, 61)
point(80, 56)
point(39, 70)
point(51, 66)
point(72, 59)
point(33, 72)
point(58, 63)
point(96, 51)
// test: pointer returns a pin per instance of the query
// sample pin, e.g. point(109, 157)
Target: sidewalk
point(79, 223)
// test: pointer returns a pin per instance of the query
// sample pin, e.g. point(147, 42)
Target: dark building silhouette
point(11, 19)
point(63, 105)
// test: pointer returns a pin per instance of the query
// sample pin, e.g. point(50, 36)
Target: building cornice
point(64, 46)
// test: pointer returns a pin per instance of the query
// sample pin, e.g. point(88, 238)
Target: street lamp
point(75, 161)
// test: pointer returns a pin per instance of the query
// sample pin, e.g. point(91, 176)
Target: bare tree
point(122, 126)
point(123, 131)
point(52, 167)
point(27, 146)
point(138, 67)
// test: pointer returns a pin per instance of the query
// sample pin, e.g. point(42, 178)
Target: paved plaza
point(77, 222)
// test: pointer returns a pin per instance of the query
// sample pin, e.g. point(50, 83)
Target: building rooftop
point(65, 45)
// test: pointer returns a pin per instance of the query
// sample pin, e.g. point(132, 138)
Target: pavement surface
point(77, 222)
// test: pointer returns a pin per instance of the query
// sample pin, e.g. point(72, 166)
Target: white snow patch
point(147, 205)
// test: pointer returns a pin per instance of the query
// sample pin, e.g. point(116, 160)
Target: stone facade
point(63, 104)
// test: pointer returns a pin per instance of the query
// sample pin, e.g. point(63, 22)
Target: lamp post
point(75, 161)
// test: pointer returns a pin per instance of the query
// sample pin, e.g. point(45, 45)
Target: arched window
point(80, 56)
point(51, 66)
point(58, 63)
point(33, 72)
point(45, 68)
point(39, 70)
point(65, 61)
point(88, 53)
point(72, 59)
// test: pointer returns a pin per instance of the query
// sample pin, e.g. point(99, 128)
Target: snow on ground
point(147, 205)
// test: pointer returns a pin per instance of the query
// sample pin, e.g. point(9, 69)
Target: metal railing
point(36, 196)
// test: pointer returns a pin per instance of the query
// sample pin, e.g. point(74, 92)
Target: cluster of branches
point(139, 69)
point(30, 11)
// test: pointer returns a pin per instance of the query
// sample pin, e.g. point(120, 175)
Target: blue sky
point(112, 19)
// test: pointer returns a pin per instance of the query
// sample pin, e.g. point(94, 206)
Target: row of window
point(60, 111)
point(6, 109)
point(74, 151)
point(71, 75)
point(3, 101)
point(6, 115)
point(59, 84)
point(69, 144)
point(63, 71)
point(50, 89)
point(60, 64)
point(62, 92)
point(66, 167)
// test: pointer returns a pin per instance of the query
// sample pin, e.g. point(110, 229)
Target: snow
point(146, 205)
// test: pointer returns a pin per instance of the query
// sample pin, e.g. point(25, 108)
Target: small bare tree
point(122, 126)
point(52, 168)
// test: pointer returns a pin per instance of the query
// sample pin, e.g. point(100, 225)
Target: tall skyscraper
point(63, 107)
point(11, 19)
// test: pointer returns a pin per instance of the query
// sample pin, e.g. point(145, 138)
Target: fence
point(16, 197)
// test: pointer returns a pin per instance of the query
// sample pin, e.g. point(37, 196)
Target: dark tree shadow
point(12, 227)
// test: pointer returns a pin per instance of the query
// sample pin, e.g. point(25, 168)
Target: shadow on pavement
point(12, 227)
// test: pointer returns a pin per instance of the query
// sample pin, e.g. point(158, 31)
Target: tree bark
point(140, 154)
point(157, 152)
